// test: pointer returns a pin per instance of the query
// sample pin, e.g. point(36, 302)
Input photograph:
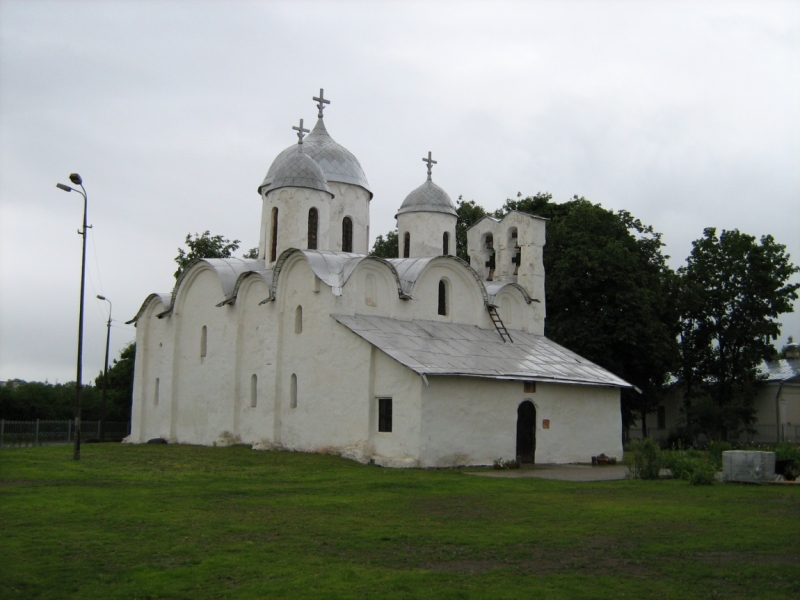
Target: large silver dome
point(428, 197)
point(298, 170)
point(337, 162)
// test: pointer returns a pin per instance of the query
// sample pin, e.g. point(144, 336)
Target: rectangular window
point(529, 387)
point(385, 414)
point(662, 417)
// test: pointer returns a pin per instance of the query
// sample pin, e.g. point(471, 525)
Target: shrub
point(704, 473)
point(715, 450)
point(645, 459)
point(786, 451)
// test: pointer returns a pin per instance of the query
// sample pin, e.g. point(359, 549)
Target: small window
point(156, 392)
point(446, 244)
point(274, 242)
point(293, 392)
point(253, 390)
point(442, 297)
point(529, 387)
point(385, 415)
point(203, 341)
point(313, 220)
point(298, 320)
point(662, 417)
point(406, 244)
point(488, 242)
point(347, 234)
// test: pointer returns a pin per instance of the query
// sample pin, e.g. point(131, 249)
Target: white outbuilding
point(418, 361)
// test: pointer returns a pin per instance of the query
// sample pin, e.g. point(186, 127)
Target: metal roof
point(299, 170)
point(337, 162)
point(428, 197)
point(434, 348)
point(780, 370)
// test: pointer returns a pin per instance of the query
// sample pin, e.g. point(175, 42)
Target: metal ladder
point(498, 324)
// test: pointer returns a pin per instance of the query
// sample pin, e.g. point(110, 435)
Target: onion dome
point(428, 197)
point(298, 169)
point(337, 162)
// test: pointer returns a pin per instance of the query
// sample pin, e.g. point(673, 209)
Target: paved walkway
point(562, 472)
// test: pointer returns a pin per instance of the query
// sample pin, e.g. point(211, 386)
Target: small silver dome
point(299, 170)
point(428, 197)
point(337, 162)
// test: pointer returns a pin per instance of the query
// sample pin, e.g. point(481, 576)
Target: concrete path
point(562, 472)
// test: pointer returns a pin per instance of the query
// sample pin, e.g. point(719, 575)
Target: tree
point(609, 294)
point(204, 246)
point(732, 290)
point(386, 247)
point(120, 384)
point(252, 253)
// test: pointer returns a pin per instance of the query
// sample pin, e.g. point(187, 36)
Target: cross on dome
point(321, 102)
point(430, 162)
point(301, 131)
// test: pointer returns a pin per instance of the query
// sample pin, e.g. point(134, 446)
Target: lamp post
point(105, 374)
point(76, 179)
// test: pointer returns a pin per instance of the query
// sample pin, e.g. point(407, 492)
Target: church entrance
point(526, 431)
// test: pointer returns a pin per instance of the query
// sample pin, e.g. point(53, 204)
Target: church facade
point(418, 361)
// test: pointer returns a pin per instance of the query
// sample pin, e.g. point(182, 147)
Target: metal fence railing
point(38, 433)
point(754, 434)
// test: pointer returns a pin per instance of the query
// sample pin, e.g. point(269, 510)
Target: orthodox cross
point(430, 162)
point(321, 102)
point(301, 131)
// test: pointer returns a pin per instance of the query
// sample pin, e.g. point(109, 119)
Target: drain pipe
point(778, 435)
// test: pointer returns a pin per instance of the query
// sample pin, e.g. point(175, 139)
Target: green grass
point(193, 522)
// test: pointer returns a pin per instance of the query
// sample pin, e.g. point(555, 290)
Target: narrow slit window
point(313, 222)
point(293, 392)
point(442, 297)
point(156, 392)
point(385, 415)
point(347, 234)
point(298, 320)
point(203, 341)
point(274, 241)
point(406, 244)
point(446, 244)
point(253, 390)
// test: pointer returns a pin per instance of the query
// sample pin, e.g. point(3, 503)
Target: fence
point(756, 434)
point(37, 433)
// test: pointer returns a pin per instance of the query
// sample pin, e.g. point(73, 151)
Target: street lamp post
point(76, 179)
point(105, 373)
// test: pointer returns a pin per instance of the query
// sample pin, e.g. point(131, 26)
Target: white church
point(417, 361)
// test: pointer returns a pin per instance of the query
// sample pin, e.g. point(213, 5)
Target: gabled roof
point(780, 371)
point(434, 348)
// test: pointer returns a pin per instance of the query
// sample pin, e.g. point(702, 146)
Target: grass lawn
point(195, 522)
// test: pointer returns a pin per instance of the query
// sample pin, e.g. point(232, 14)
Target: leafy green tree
point(469, 213)
point(120, 385)
point(386, 247)
point(609, 294)
point(204, 246)
point(252, 253)
point(733, 288)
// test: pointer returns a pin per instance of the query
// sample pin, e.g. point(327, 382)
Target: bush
point(715, 450)
point(704, 473)
point(786, 451)
point(644, 459)
point(691, 465)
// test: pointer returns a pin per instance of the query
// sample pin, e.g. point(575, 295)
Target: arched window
point(446, 244)
point(203, 341)
point(313, 220)
point(274, 242)
point(347, 234)
point(488, 246)
point(253, 390)
point(298, 320)
point(155, 395)
point(442, 297)
point(406, 244)
point(293, 392)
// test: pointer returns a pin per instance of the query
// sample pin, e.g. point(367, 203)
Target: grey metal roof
point(428, 197)
point(495, 287)
point(299, 170)
point(434, 348)
point(780, 370)
point(337, 162)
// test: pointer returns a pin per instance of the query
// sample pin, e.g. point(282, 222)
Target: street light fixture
point(105, 373)
point(76, 179)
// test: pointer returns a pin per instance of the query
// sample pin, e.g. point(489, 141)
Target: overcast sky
point(687, 114)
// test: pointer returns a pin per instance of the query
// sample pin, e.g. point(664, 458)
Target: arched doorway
point(526, 431)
